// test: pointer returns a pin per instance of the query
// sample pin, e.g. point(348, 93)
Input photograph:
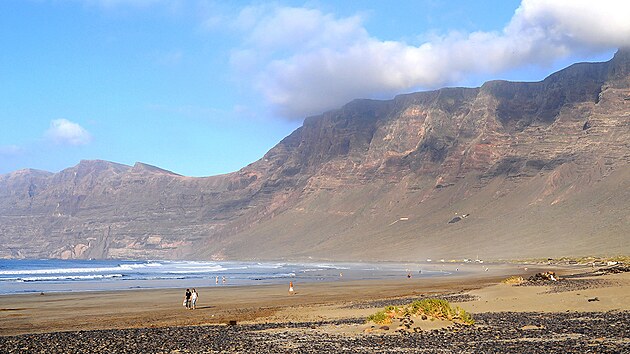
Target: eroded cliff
point(538, 169)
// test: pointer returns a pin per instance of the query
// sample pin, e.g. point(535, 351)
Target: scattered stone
point(531, 327)
point(572, 332)
point(565, 284)
point(544, 277)
point(455, 219)
point(616, 269)
point(455, 297)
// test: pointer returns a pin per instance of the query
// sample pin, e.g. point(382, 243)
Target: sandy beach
point(268, 319)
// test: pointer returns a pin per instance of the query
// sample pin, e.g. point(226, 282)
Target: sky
point(202, 87)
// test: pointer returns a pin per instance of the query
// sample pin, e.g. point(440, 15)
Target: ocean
point(53, 275)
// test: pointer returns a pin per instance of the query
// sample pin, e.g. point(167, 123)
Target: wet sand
point(35, 313)
point(330, 314)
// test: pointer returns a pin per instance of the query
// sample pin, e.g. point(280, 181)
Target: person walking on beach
point(187, 298)
point(193, 298)
point(291, 292)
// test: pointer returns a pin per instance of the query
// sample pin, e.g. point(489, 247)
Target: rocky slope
point(506, 170)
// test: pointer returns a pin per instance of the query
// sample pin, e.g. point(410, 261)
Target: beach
point(587, 312)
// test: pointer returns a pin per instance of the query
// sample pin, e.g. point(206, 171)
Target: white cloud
point(304, 61)
point(578, 23)
point(65, 132)
point(273, 27)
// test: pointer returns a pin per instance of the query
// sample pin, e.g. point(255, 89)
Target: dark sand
point(326, 317)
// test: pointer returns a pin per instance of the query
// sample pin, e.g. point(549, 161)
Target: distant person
point(223, 279)
point(187, 298)
point(216, 280)
point(193, 299)
point(291, 291)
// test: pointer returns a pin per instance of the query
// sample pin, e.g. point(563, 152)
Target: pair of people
point(190, 299)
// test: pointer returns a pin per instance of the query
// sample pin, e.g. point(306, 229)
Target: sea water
point(53, 275)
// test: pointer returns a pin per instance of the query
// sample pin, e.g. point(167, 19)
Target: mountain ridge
point(373, 180)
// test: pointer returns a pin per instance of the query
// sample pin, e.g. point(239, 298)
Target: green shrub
point(437, 308)
point(433, 308)
point(465, 317)
point(380, 317)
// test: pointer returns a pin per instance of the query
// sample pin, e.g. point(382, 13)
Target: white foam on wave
point(68, 277)
point(311, 270)
point(141, 265)
point(120, 267)
point(164, 278)
point(273, 276)
point(268, 265)
point(209, 269)
point(331, 266)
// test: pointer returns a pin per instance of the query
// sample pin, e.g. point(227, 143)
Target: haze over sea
point(53, 275)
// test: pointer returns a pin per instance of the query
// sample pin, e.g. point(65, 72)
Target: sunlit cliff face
point(540, 169)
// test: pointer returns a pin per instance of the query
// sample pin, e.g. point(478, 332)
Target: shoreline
point(136, 308)
point(335, 310)
point(134, 275)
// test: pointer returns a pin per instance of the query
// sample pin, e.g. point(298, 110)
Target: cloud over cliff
point(304, 61)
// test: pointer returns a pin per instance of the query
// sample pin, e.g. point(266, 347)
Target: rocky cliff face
point(538, 170)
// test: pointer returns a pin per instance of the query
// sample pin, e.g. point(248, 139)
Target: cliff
point(510, 169)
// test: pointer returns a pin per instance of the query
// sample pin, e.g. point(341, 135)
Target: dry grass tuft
point(514, 280)
point(432, 308)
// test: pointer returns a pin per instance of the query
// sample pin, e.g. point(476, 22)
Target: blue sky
point(206, 87)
